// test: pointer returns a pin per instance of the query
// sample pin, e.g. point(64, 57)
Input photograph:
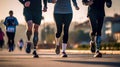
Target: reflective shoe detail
point(64, 54)
point(98, 54)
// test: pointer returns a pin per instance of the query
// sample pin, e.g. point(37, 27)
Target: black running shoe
point(57, 49)
point(98, 54)
point(28, 47)
point(13, 47)
point(64, 54)
point(10, 50)
point(92, 46)
point(35, 55)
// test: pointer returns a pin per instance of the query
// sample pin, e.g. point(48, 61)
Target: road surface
point(50, 59)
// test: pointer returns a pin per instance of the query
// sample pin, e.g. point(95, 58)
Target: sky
point(78, 16)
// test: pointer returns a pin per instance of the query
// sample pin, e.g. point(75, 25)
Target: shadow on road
point(110, 64)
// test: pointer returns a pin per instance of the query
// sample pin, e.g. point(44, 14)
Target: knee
point(93, 33)
point(30, 25)
point(58, 34)
point(36, 27)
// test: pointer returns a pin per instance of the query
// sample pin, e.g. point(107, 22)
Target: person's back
point(64, 6)
point(97, 7)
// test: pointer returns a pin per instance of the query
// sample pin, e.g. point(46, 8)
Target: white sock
point(34, 49)
point(57, 41)
point(64, 45)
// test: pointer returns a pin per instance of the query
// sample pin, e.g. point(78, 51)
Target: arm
point(75, 4)
point(108, 3)
point(87, 3)
point(45, 5)
point(22, 1)
point(16, 22)
point(26, 3)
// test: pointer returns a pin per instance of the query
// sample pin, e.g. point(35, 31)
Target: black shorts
point(35, 16)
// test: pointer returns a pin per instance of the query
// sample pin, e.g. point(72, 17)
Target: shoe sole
point(35, 56)
point(99, 56)
point(64, 56)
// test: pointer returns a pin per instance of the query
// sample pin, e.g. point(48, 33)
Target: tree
point(78, 36)
point(48, 34)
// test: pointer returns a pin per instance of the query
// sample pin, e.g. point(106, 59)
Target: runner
point(96, 15)
point(63, 15)
point(21, 44)
point(33, 14)
point(11, 23)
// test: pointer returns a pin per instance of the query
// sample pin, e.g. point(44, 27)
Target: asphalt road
point(50, 59)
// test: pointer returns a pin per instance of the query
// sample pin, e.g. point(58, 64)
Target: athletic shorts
point(35, 16)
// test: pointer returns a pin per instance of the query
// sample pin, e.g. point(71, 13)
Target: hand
point(77, 8)
point(89, 3)
point(27, 4)
point(45, 9)
point(108, 4)
point(6, 24)
point(54, 1)
point(13, 24)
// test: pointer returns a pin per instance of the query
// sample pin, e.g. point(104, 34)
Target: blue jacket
point(10, 22)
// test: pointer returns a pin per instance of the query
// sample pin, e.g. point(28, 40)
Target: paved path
point(49, 59)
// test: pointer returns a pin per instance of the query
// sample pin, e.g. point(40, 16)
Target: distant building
point(117, 36)
point(85, 26)
point(111, 27)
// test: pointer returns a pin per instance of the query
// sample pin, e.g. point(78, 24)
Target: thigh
point(93, 22)
point(100, 22)
point(28, 14)
point(8, 35)
point(67, 20)
point(11, 35)
point(58, 20)
point(37, 17)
